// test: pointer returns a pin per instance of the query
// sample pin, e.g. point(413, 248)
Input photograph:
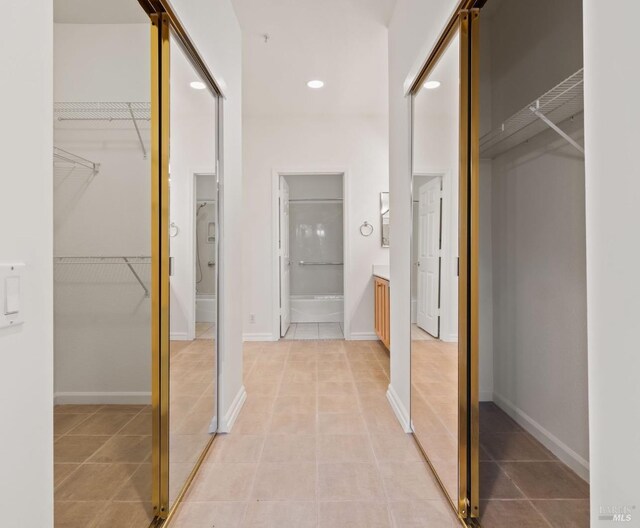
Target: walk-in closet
point(534, 436)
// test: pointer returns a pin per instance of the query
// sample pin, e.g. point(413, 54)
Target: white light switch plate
point(11, 294)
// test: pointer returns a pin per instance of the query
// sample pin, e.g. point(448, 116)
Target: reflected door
point(439, 336)
point(285, 259)
point(429, 257)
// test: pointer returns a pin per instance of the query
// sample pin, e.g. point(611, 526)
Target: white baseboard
point(180, 336)
point(363, 336)
point(451, 338)
point(545, 437)
point(264, 336)
point(486, 396)
point(401, 412)
point(106, 398)
point(234, 410)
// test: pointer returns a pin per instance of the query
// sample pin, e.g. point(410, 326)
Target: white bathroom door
point(429, 256)
point(285, 260)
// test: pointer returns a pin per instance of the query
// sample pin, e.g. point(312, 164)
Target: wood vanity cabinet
point(382, 313)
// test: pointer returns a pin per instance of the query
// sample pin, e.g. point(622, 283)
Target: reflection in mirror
point(194, 282)
point(384, 217)
point(434, 275)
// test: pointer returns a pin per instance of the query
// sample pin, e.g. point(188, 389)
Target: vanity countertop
point(382, 271)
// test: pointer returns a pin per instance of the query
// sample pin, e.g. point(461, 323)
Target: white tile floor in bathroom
point(315, 331)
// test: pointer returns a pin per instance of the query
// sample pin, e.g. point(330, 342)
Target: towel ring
point(173, 230)
point(366, 229)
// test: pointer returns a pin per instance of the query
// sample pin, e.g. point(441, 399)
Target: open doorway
point(310, 256)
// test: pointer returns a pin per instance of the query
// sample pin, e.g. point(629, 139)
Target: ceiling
point(341, 42)
point(98, 12)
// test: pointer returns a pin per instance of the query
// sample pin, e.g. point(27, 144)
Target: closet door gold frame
point(165, 23)
point(465, 23)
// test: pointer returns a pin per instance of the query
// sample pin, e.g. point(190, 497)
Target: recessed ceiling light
point(315, 84)
point(432, 85)
point(198, 85)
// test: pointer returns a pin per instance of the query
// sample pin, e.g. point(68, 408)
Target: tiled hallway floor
point(521, 482)
point(316, 445)
point(314, 331)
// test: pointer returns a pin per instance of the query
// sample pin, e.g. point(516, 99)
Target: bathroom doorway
point(309, 249)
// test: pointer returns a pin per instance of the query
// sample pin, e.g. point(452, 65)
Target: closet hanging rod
point(68, 157)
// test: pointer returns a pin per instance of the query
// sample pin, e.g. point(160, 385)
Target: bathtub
point(317, 308)
point(206, 306)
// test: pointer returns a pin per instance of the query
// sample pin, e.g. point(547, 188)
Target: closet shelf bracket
point(535, 109)
point(63, 155)
point(135, 124)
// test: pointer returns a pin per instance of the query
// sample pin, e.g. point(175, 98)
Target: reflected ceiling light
point(197, 85)
point(315, 84)
point(432, 85)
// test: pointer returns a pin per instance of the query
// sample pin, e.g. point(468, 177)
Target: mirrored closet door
point(193, 253)
point(438, 263)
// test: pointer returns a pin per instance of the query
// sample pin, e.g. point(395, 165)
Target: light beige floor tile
point(289, 448)
point(344, 448)
point(252, 423)
point(338, 403)
point(351, 514)
point(340, 423)
point(349, 481)
point(420, 514)
point(223, 482)
point(236, 448)
point(409, 481)
point(396, 447)
point(281, 514)
point(304, 403)
point(209, 514)
point(285, 482)
point(293, 423)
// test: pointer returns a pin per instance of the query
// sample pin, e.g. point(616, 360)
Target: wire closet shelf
point(134, 112)
point(562, 102)
point(105, 270)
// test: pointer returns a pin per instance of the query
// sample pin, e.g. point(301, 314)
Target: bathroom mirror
point(435, 402)
point(384, 218)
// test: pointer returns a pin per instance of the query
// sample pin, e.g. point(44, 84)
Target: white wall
point(26, 376)
point(612, 190)
point(355, 144)
point(413, 30)
point(215, 31)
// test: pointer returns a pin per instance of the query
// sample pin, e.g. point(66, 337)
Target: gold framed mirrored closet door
point(443, 262)
point(186, 210)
